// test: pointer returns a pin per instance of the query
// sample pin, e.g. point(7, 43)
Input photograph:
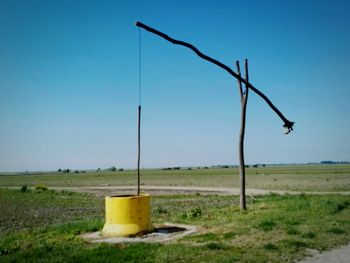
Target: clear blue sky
point(69, 82)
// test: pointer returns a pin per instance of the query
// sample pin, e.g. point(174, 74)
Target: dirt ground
point(166, 190)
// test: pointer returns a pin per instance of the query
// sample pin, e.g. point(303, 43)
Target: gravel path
point(161, 190)
point(338, 255)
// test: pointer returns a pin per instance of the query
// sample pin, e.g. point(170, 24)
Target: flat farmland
point(274, 228)
point(317, 178)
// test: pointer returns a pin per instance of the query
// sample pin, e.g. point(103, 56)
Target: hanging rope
point(139, 121)
point(140, 67)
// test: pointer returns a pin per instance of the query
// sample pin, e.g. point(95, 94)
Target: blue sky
point(69, 83)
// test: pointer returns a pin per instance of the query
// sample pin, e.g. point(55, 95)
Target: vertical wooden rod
point(139, 149)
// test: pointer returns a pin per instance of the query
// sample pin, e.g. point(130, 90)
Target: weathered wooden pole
point(244, 100)
point(138, 149)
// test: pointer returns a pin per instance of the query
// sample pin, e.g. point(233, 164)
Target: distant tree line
point(114, 169)
point(332, 162)
point(213, 166)
point(111, 169)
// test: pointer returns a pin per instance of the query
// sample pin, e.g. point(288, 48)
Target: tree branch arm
point(287, 124)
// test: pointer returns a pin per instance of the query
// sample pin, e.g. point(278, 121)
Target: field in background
point(44, 226)
point(284, 177)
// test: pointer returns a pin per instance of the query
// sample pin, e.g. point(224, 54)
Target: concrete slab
point(161, 234)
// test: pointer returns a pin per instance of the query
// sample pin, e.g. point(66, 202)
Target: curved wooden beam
point(287, 124)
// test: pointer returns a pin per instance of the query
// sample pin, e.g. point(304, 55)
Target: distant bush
point(327, 162)
point(24, 188)
point(112, 169)
point(121, 169)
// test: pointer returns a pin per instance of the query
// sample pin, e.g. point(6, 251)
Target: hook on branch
point(288, 127)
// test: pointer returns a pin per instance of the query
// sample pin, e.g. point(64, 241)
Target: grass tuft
point(229, 235)
point(215, 246)
point(297, 244)
point(194, 212)
point(336, 230)
point(309, 235)
point(292, 231)
point(267, 225)
point(161, 210)
point(270, 246)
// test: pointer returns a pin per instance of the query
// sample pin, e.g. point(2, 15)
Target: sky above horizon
point(69, 83)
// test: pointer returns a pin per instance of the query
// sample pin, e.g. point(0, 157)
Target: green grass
point(292, 177)
point(273, 229)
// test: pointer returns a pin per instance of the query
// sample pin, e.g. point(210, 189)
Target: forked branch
point(287, 124)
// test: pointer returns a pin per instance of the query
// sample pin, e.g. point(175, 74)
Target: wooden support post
point(244, 99)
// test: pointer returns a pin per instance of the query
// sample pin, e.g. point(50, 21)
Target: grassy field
point(39, 225)
point(44, 226)
point(293, 177)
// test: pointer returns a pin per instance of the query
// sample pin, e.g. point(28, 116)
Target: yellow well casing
point(127, 216)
